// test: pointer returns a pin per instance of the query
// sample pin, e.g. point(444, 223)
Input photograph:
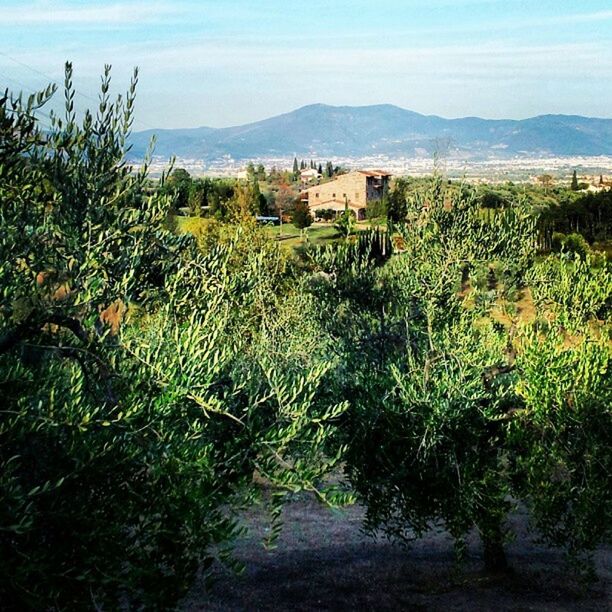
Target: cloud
point(233, 61)
point(583, 17)
point(495, 59)
point(45, 13)
point(230, 61)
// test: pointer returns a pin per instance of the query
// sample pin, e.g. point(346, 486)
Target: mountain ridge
point(322, 131)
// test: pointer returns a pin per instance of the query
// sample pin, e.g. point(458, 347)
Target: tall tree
point(574, 186)
point(296, 169)
point(397, 205)
point(546, 180)
point(285, 199)
point(250, 170)
point(178, 184)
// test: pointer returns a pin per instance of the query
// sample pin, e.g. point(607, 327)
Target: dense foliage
point(143, 380)
point(478, 377)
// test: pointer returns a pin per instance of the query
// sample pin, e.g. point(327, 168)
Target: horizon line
point(381, 104)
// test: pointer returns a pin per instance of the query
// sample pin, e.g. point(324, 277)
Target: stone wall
point(350, 187)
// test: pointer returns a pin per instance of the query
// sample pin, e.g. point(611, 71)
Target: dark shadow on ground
point(324, 562)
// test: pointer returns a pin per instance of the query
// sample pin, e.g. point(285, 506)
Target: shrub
point(575, 243)
point(376, 209)
point(345, 223)
point(302, 217)
point(558, 241)
point(327, 214)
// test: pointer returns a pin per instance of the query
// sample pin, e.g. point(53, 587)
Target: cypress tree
point(574, 181)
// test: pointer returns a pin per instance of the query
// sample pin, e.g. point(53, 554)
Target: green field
point(291, 236)
point(288, 235)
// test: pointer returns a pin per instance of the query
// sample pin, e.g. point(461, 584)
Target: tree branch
point(34, 323)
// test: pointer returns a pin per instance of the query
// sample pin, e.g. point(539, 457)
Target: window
point(316, 195)
point(333, 195)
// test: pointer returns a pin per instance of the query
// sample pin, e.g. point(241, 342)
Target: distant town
point(520, 170)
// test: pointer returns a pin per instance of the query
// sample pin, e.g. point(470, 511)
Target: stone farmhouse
point(353, 191)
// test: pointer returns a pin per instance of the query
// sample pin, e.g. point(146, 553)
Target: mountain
point(321, 131)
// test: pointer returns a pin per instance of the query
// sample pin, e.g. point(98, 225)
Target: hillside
point(320, 131)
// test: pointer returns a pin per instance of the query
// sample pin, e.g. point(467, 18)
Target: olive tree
point(138, 394)
point(460, 405)
point(561, 435)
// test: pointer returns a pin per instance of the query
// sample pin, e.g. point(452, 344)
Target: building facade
point(353, 191)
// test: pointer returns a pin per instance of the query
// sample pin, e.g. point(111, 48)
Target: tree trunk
point(493, 547)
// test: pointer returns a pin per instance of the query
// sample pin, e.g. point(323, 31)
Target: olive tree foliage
point(450, 389)
point(561, 434)
point(139, 394)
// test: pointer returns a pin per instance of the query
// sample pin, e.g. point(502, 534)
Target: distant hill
point(321, 131)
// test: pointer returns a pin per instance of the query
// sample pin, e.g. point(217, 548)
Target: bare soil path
point(324, 562)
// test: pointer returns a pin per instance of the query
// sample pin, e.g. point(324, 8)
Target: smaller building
point(309, 174)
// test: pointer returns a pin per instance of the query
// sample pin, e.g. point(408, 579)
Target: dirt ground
point(324, 562)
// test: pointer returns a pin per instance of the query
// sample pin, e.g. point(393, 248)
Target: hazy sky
point(224, 62)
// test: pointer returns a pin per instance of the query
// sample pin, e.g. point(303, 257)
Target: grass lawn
point(288, 235)
point(291, 236)
point(190, 224)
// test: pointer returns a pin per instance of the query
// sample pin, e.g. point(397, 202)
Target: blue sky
point(222, 62)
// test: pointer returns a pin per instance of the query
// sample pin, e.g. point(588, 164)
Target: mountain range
point(320, 131)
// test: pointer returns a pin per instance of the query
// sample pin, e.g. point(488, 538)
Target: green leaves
point(459, 401)
point(143, 381)
point(562, 438)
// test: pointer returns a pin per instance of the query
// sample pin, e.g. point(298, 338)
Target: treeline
point(329, 171)
point(560, 211)
point(215, 197)
point(262, 193)
point(589, 216)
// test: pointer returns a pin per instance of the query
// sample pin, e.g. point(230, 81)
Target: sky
point(219, 62)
